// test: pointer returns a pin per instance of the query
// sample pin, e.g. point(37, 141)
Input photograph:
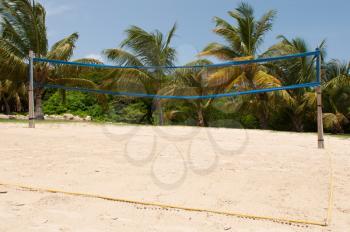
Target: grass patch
point(342, 136)
point(21, 121)
point(13, 121)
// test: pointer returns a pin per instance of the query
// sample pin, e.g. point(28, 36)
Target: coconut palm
point(191, 82)
point(334, 119)
point(242, 39)
point(142, 48)
point(336, 90)
point(12, 96)
point(242, 43)
point(249, 77)
point(23, 29)
point(338, 74)
point(336, 96)
point(295, 71)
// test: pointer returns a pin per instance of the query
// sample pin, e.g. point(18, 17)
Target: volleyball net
point(198, 80)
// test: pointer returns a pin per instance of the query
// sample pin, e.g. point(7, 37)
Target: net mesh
point(199, 80)
point(163, 89)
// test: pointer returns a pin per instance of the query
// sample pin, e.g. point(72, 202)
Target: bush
point(127, 112)
point(249, 121)
point(76, 103)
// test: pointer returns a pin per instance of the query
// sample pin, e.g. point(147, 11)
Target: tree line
point(23, 29)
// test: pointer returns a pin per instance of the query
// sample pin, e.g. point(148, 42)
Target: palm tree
point(336, 96)
point(338, 74)
point(242, 43)
point(142, 48)
point(23, 29)
point(12, 96)
point(242, 39)
point(336, 90)
point(190, 82)
point(295, 71)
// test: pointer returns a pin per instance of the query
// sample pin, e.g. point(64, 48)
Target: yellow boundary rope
point(241, 215)
point(331, 189)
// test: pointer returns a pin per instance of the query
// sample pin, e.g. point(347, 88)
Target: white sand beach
point(255, 172)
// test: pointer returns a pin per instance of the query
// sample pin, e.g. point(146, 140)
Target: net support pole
point(319, 103)
point(31, 115)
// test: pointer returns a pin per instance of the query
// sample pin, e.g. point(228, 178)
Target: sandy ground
point(255, 172)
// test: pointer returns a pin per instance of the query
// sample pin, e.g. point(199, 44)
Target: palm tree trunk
point(200, 118)
point(38, 104)
point(160, 110)
point(148, 116)
point(263, 111)
point(264, 123)
point(18, 104)
point(298, 124)
point(7, 106)
point(264, 118)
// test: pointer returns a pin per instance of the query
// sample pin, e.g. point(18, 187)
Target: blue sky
point(101, 24)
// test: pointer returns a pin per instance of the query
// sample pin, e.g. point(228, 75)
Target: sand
point(264, 173)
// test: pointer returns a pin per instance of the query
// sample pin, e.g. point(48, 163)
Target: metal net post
point(319, 103)
point(31, 91)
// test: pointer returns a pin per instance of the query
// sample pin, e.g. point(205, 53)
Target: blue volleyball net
point(199, 80)
point(178, 94)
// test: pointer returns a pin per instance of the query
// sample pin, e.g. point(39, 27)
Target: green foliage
point(244, 37)
point(77, 103)
point(83, 104)
point(128, 112)
point(249, 121)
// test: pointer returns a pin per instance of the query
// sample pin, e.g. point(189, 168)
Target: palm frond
point(130, 80)
point(220, 51)
point(122, 57)
point(263, 26)
point(334, 122)
point(23, 25)
point(63, 49)
point(309, 99)
point(170, 35)
point(64, 71)
point(228, 32)
point(338, 82)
